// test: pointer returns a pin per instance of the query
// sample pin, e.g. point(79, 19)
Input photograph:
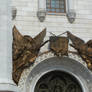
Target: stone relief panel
point(26, 72)
point(58, 48)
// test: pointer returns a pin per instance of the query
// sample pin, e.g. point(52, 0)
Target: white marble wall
point(6, 83)
point(28, 23)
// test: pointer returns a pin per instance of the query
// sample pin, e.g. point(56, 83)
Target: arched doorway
point(59, 69)
point(57, 81)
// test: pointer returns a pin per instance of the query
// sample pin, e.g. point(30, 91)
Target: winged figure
point(84, 49)
point(25, 51)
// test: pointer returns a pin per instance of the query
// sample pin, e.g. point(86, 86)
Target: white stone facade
point(6, 82)
point(28, 23)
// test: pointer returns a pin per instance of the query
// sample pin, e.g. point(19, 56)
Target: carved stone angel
point(83, 49)
point(25, 51)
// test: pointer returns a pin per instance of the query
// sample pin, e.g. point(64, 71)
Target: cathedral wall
point(28, 23)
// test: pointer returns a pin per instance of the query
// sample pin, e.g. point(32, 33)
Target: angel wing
point(84, 50)
point(25, 51)
point(17, 43)
point(40, 37)
point(77, 42)
point(16, 34)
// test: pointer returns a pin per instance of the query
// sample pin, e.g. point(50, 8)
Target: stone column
point(6, 83)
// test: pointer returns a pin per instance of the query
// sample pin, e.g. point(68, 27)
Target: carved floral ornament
point(26, 49)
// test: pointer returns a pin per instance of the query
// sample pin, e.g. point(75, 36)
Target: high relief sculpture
point(59, 45)
point(26, 49)
point(84, 49)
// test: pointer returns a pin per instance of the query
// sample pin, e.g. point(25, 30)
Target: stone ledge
point(7, 87)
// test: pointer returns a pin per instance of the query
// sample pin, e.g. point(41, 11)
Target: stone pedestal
point(6, 83)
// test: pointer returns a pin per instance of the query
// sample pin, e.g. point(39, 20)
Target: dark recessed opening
point(57, 81)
